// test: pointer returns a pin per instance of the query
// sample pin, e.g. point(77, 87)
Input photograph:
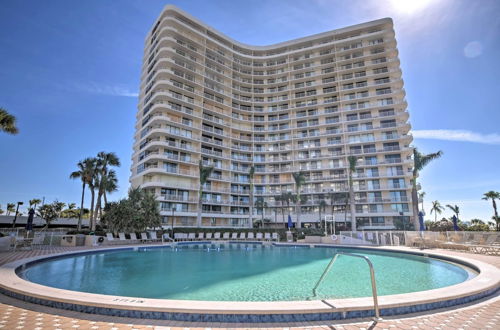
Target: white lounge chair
point(201, 236)
point(209, 236)
point(242, 236)
point(275, 237)
point(121, 236)
point(267, 236)
point(234, 236)
point(250, 236)
point(145, 238)
point(133, 237)
point(154, 237)
point(191, 236)
point(217, 236)
point(109, 237)
point(166, 237)
point(259, 237)
point(226, 236)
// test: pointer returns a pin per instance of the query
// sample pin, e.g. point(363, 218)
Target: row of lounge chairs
point(226, 236)
point(144, 238)
point(477, 243)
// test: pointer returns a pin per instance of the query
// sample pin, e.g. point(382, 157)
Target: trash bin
point(68, 240)
point(80, 240)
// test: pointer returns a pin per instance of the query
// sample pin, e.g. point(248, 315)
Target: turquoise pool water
point(242, 272)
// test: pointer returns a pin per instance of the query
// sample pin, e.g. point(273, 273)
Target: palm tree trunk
point(200, 206)
point(92, 222)
point(298, 210)
point(250, 222)
point(353, 207)
point(414, 202)
point(79, 226)
point(105, 198)
point(496, 214)
point(283, 211)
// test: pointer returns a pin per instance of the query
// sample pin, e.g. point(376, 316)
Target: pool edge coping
point(485, 283)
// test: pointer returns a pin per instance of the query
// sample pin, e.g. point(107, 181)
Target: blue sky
point(70, 73)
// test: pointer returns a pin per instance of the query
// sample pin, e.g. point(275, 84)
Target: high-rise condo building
point(260, 114)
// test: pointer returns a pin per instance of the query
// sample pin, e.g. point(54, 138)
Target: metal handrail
point(372, 275)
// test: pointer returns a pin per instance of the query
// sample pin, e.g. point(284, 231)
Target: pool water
point(242, 272)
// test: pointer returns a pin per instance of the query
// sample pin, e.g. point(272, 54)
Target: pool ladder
point(372, 275)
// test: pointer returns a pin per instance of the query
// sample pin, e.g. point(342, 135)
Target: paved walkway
point(16, 314)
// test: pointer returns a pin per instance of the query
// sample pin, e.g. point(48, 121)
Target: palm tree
point(250, 178)
point(352, 168)
point(287, 197)
point(110, 185)
point(7, 122)
point(11, 207)
point(436, 208)
point(419, 162)
point(321, 207)
point(421, 196)
point(104, 161)
point(454, 208)
point(34, 202)
point(300, 180)
point(86, 172)
point(260, 204)
point(493, 195)
point(205, 172)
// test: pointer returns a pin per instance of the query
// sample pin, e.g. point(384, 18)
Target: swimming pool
point(242, 272)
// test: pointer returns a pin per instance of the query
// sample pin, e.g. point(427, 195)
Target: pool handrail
point(372, 275)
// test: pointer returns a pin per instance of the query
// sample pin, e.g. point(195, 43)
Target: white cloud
point(457, 135)
point(116, 90)
point(473, 49)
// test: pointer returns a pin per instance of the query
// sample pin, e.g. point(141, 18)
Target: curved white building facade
point(302, 105)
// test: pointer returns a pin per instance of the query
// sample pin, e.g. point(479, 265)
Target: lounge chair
point(267, 236)
point(154, 237)
point(217, 236)
point(121, 236)
point(191, 236)
point(145, 238)
point(259, 237)
point(133, 237)
point(234, 236)
point(209, 236)
point(201, 236)
point(242, 236)
point(109, 237)
point(250, 236)
point(166, 237)
point(226, 236)
point(275, 237)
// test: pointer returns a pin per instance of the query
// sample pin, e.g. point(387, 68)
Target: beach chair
point(166, 237)
point(275, 237)
point(191, 236)
point(259, 237)
point(122, 237)
point(154, 237)
point(250, 236)
point(234, 236)
point(226, 236)
point(201, 236)
point(133, 237)
point(145, 238)
point(267, 236)
point(178, 236)
point(109, 237)
point(217, 236)
point(242, 236)
point(209, 236)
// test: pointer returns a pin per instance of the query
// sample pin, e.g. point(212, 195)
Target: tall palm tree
point(436, 208)
point(454, 208)
point(300, 180)
point(34, 202)
point(7, 122)
point(419, 162)
point(493, 195)
point(261, 204)
point(110, 185)
point(321, 207)
point(352, 160)
point(86, 172)
point(11, 207)
point(205, 172)
point(104, 161)
point(250, 178)
point(421, 196)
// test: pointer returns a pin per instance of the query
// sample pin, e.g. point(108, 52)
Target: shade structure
point(421, 221)
point(455, 223)
point(290, 223)
point(29, 223)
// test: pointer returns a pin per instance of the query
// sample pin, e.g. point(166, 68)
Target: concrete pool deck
point(6, 257)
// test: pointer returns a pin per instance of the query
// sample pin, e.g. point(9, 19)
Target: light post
point(15, 216)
